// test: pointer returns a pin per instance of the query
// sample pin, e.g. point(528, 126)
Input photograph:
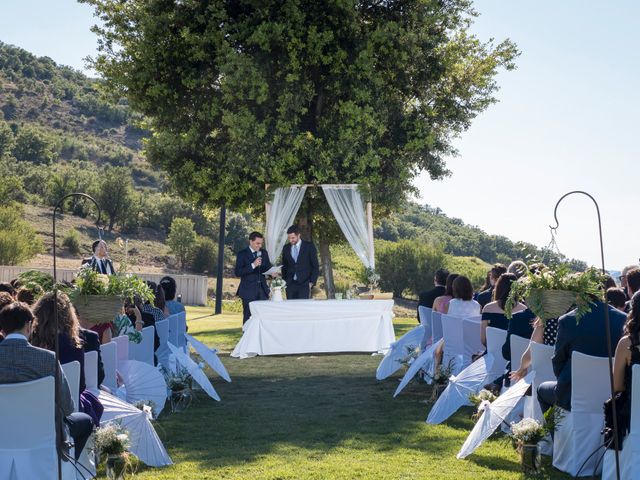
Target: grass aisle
point(316, 417)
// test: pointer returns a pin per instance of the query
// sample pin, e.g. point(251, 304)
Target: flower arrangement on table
point(99, 297)
point(552, 292)
point(111, 444)
point(276, 285)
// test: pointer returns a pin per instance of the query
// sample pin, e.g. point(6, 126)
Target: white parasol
point(195, 371)
point(210, 356)
point(422, 362)
point(143, 382)
point(398, 351)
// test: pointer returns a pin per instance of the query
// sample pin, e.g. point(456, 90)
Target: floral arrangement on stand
point(99, 297)
point(528, 432)
point(551, 293)
point(179, 383)
point(480, 400)
point(276, 285)
point(111, 445)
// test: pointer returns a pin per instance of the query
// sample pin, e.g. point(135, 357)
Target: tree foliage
point(18, 240)
point(114, 194)
point(242, 94)
point(182, 239)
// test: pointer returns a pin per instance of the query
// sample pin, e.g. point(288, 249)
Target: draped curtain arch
point(353, 215)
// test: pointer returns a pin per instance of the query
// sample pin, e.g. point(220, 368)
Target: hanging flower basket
point(97, 309)
point(546, 304)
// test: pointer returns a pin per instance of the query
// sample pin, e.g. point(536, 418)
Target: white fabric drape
point(281, 213)
point(347, 206)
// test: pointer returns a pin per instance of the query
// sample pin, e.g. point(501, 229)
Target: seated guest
point(104, 331)
point(146, 307)
point(5, 299)
point(22, 362)
point(159, 302)
point(67, 329)
point(29, 294)
point(427, 298)
point(462, 304)
point(168, 284)
point(494, 274)
point(521, 324)
point(518, 268)
point(617, 298)
point(633, 284)
point(587, 336)
point(623, 279)
point(142, 318)
point(493, 313)
point(7, 287)
point(91, 343)
point(441, 304)
point(545, 333)
point(627, 355)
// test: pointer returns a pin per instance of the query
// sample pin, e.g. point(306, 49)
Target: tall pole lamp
point(58, 207)
point(607, 322)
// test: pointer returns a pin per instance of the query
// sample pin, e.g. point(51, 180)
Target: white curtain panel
point(348, 208)
point(282, 212)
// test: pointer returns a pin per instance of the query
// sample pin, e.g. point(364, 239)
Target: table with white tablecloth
point(316, 326)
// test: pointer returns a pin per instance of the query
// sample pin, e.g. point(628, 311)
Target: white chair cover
point(424, 313)
point(72, 372)
point(518, 346)
point(177, 329)
point(630, 454)
point(454, 351)
point(471, 337)
point(579, 433)
point(110, 363)
point(436, 326)
point(163, 352)
point(28, 442)
point(495, 339)
point(122, 344)
point(143, 351)
point(543, 372)
point(91, 372)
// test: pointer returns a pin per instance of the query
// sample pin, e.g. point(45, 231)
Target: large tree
point(241, 94)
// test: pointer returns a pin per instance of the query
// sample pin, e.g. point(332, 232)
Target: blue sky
point(566, 118)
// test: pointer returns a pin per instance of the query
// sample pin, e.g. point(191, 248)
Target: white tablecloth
point(308, 326)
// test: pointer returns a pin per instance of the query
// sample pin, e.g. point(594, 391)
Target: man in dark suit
point(22, 362)
point(588, 337)
point(100, 261)
point(299, 265)
point(251, 263)
point(426, 298)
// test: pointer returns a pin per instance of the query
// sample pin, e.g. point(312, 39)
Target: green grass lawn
point(317, 417)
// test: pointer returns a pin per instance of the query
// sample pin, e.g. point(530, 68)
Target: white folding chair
point(436, 326)
point(518, 346)
point(110, 362)
point(143, 351)
point(541, 355)
point(122, 349)
point(471, 327)
point(181, 341)
point(72, 372)
point(495, 339)
point(453, 353)
point(579, 432)
point(163, 352)
point(91, 372)
point(28, 442)
point(424, 314)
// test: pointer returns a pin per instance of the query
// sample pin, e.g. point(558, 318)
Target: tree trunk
point(327, 267)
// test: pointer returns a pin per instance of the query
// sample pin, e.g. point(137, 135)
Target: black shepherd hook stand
point(606, 321)
point(55, 306)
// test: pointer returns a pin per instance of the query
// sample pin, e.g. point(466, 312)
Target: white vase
point(276, 294)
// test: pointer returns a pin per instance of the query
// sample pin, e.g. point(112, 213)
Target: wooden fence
point(193, 288)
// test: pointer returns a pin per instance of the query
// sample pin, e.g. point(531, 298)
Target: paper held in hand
point(273, 270)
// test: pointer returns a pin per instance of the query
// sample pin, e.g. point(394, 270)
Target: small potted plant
point(111, 443)
point(528, 432)
point(552, 292)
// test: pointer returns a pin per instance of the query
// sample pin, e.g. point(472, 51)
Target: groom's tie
point(295, 253)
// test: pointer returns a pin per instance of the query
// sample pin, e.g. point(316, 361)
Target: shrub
point(182, 239)
point(471, 267)
point(205, 256)
point(407, 265)
point(71, 242)
point(18, 241)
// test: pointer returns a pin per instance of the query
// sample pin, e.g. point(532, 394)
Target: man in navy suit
point(588, 337)
point(299, 265)
point(251, 262)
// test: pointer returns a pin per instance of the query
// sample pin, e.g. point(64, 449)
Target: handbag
point(621, 400)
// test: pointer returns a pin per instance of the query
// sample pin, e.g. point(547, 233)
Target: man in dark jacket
point(300, 267)
point(251, 263)
point(426, 298)
point(587, 336)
